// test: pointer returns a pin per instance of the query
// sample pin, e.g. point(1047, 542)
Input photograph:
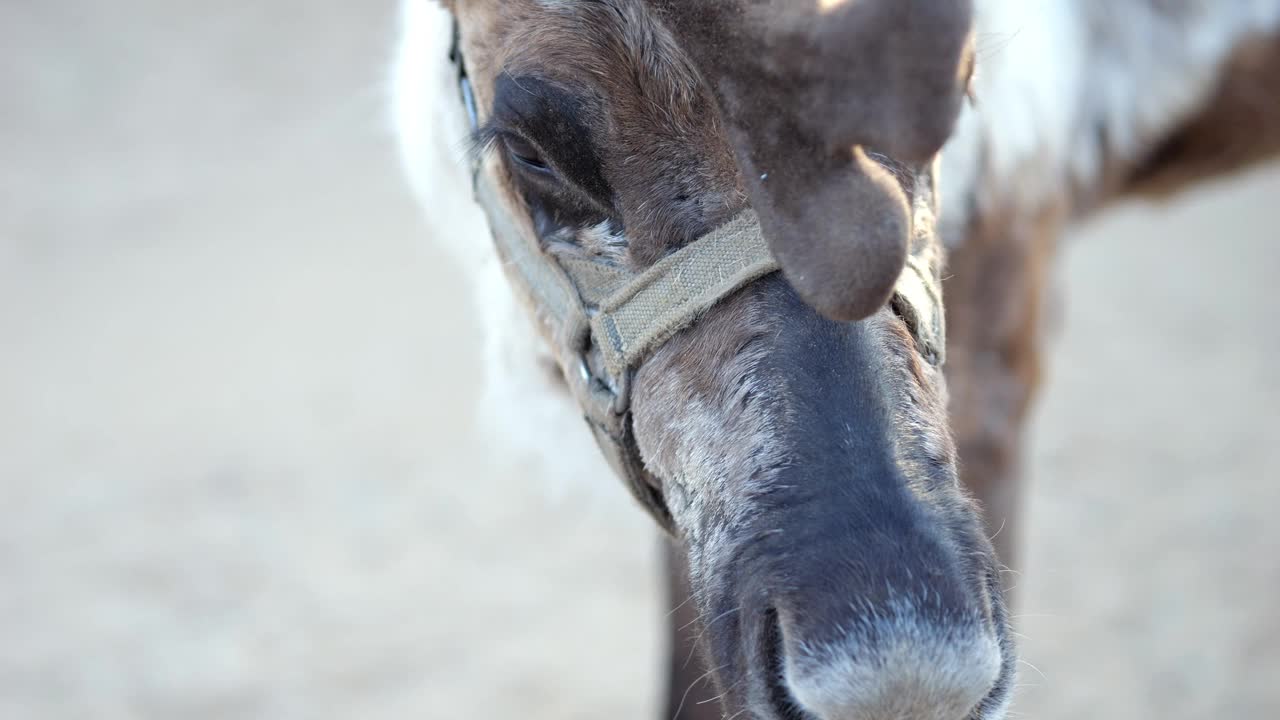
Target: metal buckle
point(604, 399)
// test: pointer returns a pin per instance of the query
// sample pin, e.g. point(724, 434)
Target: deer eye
point(523, 153)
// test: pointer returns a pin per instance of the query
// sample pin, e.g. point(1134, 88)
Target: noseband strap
point(604, 321)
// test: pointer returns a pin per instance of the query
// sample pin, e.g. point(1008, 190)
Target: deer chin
point(838, 568)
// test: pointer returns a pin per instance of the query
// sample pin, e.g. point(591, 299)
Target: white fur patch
point(898, 666)
point(1063, 85)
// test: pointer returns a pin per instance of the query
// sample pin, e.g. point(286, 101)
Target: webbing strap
point(552, 292)
point(670, 295)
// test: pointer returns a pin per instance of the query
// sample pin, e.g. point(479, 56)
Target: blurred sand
point(236, 476)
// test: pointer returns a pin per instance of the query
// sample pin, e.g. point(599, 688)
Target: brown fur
point(997, 290)
point(1239, 127)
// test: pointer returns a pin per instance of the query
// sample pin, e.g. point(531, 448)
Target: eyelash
point(487, 137)
point(531, 160)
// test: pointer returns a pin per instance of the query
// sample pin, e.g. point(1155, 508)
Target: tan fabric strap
point(554, 295)
point(668, 297)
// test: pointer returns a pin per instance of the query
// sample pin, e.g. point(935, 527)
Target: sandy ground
point(238, 480)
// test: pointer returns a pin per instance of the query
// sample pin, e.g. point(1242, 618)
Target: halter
point(595, 309)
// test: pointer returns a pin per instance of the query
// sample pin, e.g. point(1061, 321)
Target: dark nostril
point(780, 699)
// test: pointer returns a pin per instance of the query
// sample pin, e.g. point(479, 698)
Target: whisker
point(999, 530)
point(717, 618)
point(676, 608)
point(702, 631)
point(684, 698)
point(1033, 667)
point(719, 697)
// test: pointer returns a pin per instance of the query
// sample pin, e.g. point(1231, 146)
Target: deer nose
point(876, 634)
point(899, 665)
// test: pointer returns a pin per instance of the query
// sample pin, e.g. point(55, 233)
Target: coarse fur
point(746, 452)
point(1076, 104)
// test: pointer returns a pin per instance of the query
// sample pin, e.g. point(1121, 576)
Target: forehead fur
point(658, 132)
point(617, 43)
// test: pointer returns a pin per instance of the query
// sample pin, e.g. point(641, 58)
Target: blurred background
point(238, 479)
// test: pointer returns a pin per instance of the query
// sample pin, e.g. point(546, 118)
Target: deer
point(789, 261)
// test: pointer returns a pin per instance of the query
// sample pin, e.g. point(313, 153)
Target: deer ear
point(838, 225)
